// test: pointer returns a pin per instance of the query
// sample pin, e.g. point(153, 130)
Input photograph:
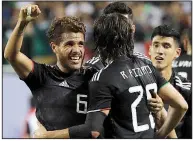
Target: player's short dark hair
point(64, 25)
point(166, 31)
point(113, 36)
point(119, 7)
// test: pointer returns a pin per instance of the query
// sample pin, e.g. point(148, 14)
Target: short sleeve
point(161, 81)
point(95, 63)
point(36, 77)
point(100, 96)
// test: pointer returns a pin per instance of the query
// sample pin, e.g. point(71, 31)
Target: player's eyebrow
point(69, 42)
point(155, 42)
point(166, 43)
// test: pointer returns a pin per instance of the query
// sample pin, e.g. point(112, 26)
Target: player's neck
point(62, 69)
point(66, 71)
point(167, 72)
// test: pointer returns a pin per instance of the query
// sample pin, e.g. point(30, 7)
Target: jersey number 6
point(81, 102)
point(139, 89)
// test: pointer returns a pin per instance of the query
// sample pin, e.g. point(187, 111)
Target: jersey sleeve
point(94, 63)
point(92, 66)
point(100, 96)
point(36, 77)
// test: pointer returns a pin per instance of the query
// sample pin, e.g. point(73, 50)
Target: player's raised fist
point(29, 13)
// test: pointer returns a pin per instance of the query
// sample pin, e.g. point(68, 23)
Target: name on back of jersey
point(136, 72)
point(182, 64)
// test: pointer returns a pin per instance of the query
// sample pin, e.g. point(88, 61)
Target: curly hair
point(64, 25)
point(113, 36)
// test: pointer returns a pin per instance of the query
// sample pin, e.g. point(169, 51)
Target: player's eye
point(156, 45)
point(81, 43)
point(166, 45)
point(70, 43)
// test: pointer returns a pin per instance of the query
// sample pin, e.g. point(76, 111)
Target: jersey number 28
point(139, 89)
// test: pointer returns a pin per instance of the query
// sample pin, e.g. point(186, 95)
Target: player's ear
point(149, 51)
point(53, 46)
point(178, 52)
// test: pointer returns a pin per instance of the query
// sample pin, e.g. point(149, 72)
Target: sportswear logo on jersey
point(64, 84)
point(185, 85)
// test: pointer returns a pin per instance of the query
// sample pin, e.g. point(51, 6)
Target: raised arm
point(21, 63)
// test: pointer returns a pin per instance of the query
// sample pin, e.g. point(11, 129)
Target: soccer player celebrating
point(121, 89)
point(118, 7)
point(164, 49)
point(60, 90)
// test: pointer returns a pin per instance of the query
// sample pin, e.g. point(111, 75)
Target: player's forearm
point(159, 120)
point(59, 134)
point(92, 128)
point(172, 135)
point(173, 118)
point(160, 117)
point(15, 41)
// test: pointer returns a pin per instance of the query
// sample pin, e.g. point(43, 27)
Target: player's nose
point(159, 50)
point(76, 51)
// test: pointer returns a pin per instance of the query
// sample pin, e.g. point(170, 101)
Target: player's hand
point(41, 132)
point(29, 13)
point(155, 103)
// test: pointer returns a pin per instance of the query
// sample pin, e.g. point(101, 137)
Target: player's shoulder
point(94, 63)
point(47, 66)
point(47, 71)
point(43, 65)
point(182, 82)
point(102, 74)
point(144, 60)
point(142, 57)
point(42, 68)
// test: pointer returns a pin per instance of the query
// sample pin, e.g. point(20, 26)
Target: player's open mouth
point(158, 58)
point(75, 59)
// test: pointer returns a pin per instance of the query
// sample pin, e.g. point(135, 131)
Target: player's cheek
point(83, 52)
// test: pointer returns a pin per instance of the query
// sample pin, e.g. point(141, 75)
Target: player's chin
point(159, 66)
point(74, 66)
